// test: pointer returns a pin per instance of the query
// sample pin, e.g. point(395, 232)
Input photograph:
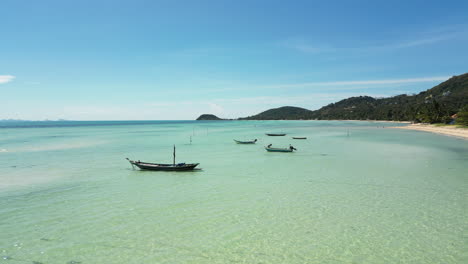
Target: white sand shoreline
point(443, 130)
point(376, 121)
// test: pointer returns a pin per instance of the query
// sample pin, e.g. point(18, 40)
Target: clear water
point(379, 195)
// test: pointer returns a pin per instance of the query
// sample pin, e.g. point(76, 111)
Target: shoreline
point(373, 121)
point(349, 120)
point(442, 130)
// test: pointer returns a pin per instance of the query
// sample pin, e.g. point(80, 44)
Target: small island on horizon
point(208, 117)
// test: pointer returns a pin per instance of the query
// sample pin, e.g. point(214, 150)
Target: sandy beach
point(444, 130)
point(374, 121)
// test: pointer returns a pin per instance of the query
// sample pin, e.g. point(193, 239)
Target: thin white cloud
point(216, 109)
point(6, 78)
point(289, 100)
point(416, 42)
point(178, 110)
point(365, 82)
point(330, 85)
point(245, 106)
point(422, 38)
point(427, 38)
point(305, 47)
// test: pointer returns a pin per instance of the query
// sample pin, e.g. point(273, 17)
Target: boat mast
point(173, 161)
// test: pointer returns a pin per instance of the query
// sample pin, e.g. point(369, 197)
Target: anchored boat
point(163, 167)
point(275, 134)
point(271, 149)
point(246, 142)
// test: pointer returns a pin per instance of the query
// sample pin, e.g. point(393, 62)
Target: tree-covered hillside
point(208, 117)
point(432, 106)
point(282, 113)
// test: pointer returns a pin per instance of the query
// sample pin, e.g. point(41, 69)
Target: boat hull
point(275, 134)
point(245, 142)
point(278, 149)
point(164, 167)
point(299, 138)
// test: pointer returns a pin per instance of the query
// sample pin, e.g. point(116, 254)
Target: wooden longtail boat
point(270, 149)
point(246, 142)
point(275, 134)
point(163, 167)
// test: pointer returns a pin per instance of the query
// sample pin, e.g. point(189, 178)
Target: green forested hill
point(282, 113)
point(208, 117)
point(434, 105)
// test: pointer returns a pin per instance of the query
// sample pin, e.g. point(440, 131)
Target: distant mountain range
point(437, 104)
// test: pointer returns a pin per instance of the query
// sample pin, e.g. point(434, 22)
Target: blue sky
point(154, 60)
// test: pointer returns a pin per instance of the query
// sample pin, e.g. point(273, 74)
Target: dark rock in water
point(208, 117)
point(45, 239)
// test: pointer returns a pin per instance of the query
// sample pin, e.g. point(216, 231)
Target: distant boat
point(299, 137)
point(270, 149)
point(275, 134)
point(163, 167)
point(246, 142)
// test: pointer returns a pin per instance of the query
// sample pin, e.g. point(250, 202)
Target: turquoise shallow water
point(379, 195)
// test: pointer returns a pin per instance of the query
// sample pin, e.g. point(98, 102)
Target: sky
point(176, 60)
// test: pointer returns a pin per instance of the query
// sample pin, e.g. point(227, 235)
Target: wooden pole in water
point(173, 161)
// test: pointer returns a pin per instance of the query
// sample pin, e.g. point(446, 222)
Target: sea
point(353, 192)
